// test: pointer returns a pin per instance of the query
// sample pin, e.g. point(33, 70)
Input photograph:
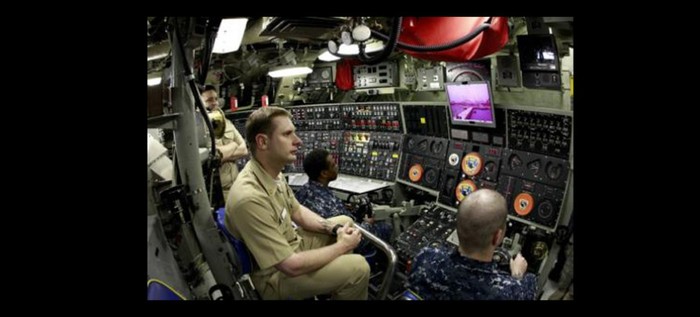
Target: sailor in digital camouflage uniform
point(468, 272)
point(322, 169)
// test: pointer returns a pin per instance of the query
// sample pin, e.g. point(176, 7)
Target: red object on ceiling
point(426, 31)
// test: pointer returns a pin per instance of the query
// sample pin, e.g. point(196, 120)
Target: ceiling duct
point(319, 28)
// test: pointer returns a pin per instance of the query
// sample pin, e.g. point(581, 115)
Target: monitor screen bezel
point(458, 122)
point(528, 47)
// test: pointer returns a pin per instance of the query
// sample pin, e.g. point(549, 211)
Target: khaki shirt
point(260, 216)
point(229, 170)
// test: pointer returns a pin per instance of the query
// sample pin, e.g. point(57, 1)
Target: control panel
point(423, 160)
point(426, 119)
point(432, 228)
point(384, 155)
point(430, 79)
point(538, 132)
point(380, 75)
point(468, 167)
point(371, 117)
point(355, 150)
point(321, 77)
point(364, 138)
point(329, 140)
point(323, 117)
point(533, 185)
point(371, 154)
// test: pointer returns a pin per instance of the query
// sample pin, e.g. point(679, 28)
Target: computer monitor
point(538, 52)
point(470, 104)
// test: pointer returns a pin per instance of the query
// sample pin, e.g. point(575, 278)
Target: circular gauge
point(449, 183)
point(423, 146)
point(514, 161)
point(464, 188)
point(325, 74)
point(553, 170)
point(465, 74)
point(430, 176)
point(539, 250)
point(436, 147)
point(490, 166)
point(410, 143)
point(523, 204)
point(545, 209)
point(415, 173)
point(472, 164)
point(453, 159)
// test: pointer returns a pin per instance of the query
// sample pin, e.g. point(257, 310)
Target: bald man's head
point(480, 215)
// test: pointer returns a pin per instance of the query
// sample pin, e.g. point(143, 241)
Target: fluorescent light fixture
point(326, 56)
point(353, 49)
point(158, 51)
point(154, 79)
point(157, 56)
point(230, 34)
point(289, 71)
point(374, 46)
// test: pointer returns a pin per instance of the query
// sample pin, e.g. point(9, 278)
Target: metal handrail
point(391, 256)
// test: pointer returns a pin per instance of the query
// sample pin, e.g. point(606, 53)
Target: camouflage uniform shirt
point(440, 273)
point(321, 200)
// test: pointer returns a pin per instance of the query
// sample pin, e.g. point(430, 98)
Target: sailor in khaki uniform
point(231, 146)
point(290, 263)
point(229, 170)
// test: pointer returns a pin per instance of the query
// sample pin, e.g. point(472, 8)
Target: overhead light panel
point(326, 56)
point(354, 49)
point(374, 46)
point(289, 70)
point(346, 49)
point(155, 78)
point(159, 50)
point(230, 34)
point(154, 81)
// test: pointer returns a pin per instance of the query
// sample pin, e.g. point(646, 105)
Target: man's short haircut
point(260, 121)
point(208, 87)
point(315, 162)
point(479, 216)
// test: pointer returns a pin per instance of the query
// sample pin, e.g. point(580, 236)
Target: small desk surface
point(346, 183)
